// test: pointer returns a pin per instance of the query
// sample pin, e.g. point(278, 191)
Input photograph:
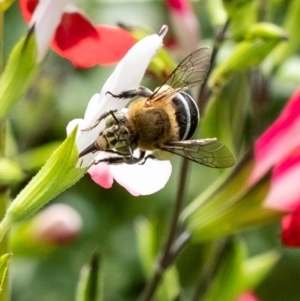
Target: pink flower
point(247, 296)
point(185, 24)
point(137, 179)
point(278, 148)
point(73, 36)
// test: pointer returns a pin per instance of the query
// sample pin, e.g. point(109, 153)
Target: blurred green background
point(60, 94)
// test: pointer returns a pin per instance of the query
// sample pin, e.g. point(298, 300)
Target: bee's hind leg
point(147, 158)
point(122, 159)
point(141, 91)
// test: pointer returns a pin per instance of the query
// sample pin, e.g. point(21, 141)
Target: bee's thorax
point(153, 125)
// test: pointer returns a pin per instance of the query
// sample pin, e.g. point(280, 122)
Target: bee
point(161, 122)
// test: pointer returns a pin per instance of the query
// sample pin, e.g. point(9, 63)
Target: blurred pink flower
point(137, 179)
point(247, 296)
point(58, 224)
point(185, 24)
point(73, 36)
point(278, 148)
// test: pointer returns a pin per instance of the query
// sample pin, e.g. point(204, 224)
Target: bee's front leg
point(141, 91)
point(104, 115)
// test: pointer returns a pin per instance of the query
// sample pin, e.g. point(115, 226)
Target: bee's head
point(118, 134)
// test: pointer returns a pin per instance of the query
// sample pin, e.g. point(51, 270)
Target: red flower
point(75, 37)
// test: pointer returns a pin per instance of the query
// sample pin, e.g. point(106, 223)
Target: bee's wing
point(190, 72)
point(209, 152)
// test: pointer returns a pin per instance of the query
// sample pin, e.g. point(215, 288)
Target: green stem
point(173, 246)
point(204, 93)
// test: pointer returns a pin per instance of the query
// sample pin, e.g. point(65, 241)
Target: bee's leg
point(141, 91)
point(122, 159)
point(148, 157)
point(104, 115)
point(132, 160)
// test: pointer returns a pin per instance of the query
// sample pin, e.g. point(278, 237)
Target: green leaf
point(11, 173)
point(291, 26)
point(59, 173)
point(259, 41)
point(229, 206)
point(18, 73)
point(147, 247)
point(89, 285)
point(5, 4)
point(229, 281)
point(242, 14)
point(217, 13)
point(3, 268)
point(226, 113)
point(258, 267)
point(237, 273)
point(169, 288)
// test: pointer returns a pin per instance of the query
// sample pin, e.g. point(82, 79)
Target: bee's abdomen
point(187, 115)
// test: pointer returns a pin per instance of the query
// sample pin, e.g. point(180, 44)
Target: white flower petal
point(143, 179)
point(92, 106)
point(46, 19)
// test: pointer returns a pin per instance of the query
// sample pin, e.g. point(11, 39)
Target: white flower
point(137, 179)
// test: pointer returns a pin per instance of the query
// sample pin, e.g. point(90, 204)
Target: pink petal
point(290, 225)
point(279, 139)
point(101, 174)
point(86, 46)
point(185, 26)
point(27, 8)
point(284, 194)
point(143, 179)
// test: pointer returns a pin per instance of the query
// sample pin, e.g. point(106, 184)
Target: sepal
point(57, 174)
point(18, 73)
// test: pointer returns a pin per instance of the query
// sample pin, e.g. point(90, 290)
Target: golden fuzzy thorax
point(153, 123)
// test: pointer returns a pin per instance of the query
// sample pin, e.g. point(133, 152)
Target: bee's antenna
point(115, 118)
